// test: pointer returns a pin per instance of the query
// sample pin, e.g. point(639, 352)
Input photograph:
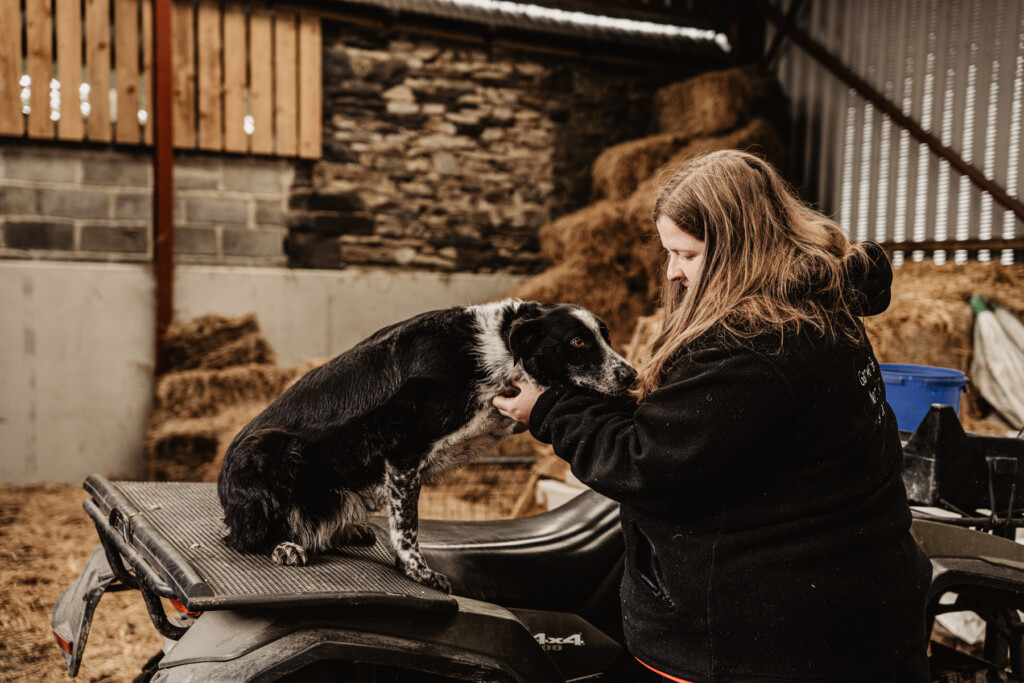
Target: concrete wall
point(76, 345)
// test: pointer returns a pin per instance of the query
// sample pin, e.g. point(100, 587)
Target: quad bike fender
point(480, 639)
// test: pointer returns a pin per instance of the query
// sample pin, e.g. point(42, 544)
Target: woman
point(765, 519)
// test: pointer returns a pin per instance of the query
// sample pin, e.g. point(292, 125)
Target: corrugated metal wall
point(956, 67)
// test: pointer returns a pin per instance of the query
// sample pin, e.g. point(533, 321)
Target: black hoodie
point(765, 518)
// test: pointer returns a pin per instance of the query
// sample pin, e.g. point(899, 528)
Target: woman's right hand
point(518, 406)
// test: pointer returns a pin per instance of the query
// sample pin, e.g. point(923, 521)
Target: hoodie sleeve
point(869, 281)
point(701, 432)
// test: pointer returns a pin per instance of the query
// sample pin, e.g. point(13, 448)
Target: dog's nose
point(625, 374)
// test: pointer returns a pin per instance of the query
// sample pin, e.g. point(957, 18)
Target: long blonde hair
point(770, 262)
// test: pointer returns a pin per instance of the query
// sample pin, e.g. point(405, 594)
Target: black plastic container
point(944, 464)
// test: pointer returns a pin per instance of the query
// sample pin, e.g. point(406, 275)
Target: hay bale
point(203, 392)
point(604, 292)
point(647, 329)
point(593, 233)
point(757, 136)
point(247, 350)
point(192, 449)
point(216, 341)
point(47, 539)
point(618, 170)
point(930, 323)
point(718, 101)
point(477, 492)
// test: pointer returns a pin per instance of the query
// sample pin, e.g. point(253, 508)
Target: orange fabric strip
point(660, 673)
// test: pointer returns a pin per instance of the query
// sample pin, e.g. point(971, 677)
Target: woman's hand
point(518, 406)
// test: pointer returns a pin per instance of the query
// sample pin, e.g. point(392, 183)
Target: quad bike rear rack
point(164, 540)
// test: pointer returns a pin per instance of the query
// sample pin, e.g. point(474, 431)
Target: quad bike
point(534, 600)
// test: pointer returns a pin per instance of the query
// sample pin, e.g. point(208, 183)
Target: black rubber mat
point(179, 527)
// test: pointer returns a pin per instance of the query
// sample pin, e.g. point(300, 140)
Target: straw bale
point(483, 491)
point(591, 232)
point(47, 538)
point(192, 449)
point(930, 323)
point(203, 392)
point(246, 350)
point(188, 344)
point(603, 290)
point(619, 169)
point(758, 136)
point(718, 101)
point(647, 329)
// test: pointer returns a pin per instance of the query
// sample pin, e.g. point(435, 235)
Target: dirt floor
point(45, 540)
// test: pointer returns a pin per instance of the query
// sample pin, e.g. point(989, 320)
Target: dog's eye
point(578, 342)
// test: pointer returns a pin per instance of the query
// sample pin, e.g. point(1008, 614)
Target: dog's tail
point(256, 487)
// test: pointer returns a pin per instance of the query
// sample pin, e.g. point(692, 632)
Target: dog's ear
point(520, 336)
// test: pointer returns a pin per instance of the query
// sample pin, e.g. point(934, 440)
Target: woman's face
point(685, 252)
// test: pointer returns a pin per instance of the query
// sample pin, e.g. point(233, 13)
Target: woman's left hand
point(518, 407)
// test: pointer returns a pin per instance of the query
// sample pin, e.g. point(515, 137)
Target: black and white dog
point(401, 408)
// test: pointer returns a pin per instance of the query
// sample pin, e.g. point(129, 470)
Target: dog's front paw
point(438, 581)
point(289, 554)
point(426, 576)
point(357, 534)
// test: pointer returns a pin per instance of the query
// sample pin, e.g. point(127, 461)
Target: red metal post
point(163, 176)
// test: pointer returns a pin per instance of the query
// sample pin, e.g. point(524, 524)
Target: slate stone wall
point(451, 156)
point(438, 154)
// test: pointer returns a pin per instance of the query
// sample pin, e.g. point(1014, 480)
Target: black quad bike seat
point(170, 534)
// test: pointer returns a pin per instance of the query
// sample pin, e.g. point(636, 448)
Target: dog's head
point(564, 344)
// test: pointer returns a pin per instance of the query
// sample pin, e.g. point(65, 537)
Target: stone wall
point(438, 155)
point(96, 205)
point(451, 156)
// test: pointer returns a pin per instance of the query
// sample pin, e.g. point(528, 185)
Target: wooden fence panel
point(11, 120)
point(97, 65)
point(39, 60)
point(126, 56)
point(208, 46)
point(236, 82)
point(261, 82)
point(183, 64)
point(285, 85)
point(310, 87)
point(69, 69)
point(246, 78)
point(147, 68)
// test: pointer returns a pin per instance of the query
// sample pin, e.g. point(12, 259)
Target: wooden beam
point(780, 36)
point(955, 245)
point(12, 122)
point(126, 55)
point(97, 66)
point(69, 69)
point(39, 59)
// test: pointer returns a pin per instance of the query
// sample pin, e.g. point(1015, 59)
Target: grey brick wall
point(86, 204)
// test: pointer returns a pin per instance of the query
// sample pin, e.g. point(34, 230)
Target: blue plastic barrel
point(912, 389)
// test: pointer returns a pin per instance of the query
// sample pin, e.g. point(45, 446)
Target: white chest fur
point(487, 426)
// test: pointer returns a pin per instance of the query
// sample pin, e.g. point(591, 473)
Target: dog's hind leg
point(352, 527)
point(403, 495)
